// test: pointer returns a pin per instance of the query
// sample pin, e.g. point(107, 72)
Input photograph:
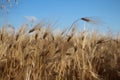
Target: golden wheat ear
point(86, 19)
point(36, 27)
point(93, 20)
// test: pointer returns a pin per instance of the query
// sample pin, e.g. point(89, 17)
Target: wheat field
point(40, 54)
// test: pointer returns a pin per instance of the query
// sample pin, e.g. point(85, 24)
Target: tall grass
point(38, 54)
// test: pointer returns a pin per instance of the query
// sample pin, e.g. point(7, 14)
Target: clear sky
point(64, 12)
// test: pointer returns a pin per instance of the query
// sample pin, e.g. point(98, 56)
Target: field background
point(40, 54)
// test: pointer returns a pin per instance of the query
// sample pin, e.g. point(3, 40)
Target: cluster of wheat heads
point(38, 54)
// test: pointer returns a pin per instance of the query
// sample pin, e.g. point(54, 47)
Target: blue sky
point(65, 12)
